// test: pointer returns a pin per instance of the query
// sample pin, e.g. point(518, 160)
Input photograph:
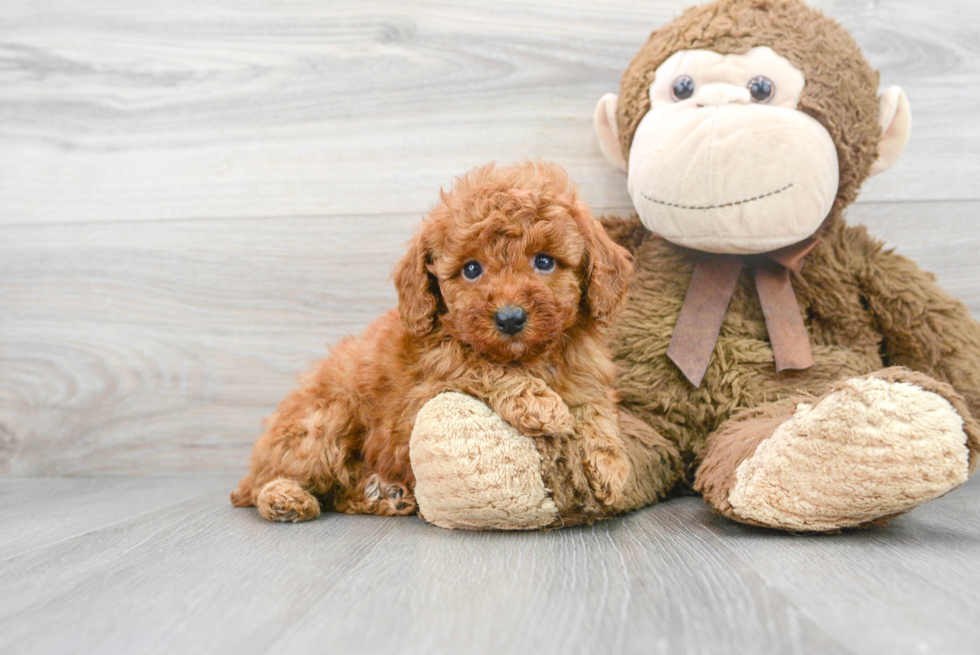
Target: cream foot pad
point(474, 471)
point(870, 449)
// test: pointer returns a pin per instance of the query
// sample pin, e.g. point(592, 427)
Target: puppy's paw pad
point(287, 501)
point(608, 473)
point(388, 499)
point(285, 514)
point(398, 500)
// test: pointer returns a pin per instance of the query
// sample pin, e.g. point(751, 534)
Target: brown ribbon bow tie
point(712, 288)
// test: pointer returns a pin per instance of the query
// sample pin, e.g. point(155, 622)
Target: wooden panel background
point(195, 197)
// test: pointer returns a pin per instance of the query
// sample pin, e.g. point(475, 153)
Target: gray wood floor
point(166, 565)
point(197, 195)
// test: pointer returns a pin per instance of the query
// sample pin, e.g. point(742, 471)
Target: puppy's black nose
point(510, 320)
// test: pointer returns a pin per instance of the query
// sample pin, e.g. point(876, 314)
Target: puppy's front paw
point(546, 414)
point(285, 500)
point(608, 471)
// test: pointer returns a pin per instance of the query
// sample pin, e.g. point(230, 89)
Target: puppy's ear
point(418, 290)
point(607, 272)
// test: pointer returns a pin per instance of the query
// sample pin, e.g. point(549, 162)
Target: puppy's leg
point(606, 464)
point(527, 403)
point(373, 495)
point(285, 500)
point(532, 407)
point(305, 452)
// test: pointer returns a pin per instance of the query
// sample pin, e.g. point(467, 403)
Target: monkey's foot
point(475, 471)
point(868, 450)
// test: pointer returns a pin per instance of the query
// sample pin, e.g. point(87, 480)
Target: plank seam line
point(598, 210)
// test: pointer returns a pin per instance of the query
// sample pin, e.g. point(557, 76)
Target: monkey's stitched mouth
point(745, 201)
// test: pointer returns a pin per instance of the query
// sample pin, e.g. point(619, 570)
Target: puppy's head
point(509, 261)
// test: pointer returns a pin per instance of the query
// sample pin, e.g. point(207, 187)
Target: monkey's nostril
point(510, 320)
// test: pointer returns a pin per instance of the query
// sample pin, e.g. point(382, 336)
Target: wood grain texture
point(176, 110)
point(193, 203)
point(196, 197)
point(922, 570)
point(155, 346)
point(159, 346)
point(183, 571)
point(39, 512)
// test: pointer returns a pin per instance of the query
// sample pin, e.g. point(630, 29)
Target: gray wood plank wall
point(196, 197)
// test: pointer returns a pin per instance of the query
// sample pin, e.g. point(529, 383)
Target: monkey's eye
point(761, 88)
point(683, 88)
point(472, 270)
point(544, 263)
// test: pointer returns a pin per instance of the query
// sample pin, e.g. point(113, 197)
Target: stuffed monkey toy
point(779, 361)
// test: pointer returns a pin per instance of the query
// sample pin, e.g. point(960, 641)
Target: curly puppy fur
point(342, 438)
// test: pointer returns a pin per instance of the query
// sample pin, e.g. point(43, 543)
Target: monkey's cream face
point(724, 161)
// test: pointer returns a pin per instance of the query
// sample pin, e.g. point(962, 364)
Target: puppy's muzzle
point(510, 320)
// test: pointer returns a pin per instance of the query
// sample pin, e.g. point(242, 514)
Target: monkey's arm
point(924, 328)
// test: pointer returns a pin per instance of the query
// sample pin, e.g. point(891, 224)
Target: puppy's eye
point(472, 270)
point(544, 263)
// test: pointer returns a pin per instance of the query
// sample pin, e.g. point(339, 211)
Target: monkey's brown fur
point(343, 436)
point(865, 308)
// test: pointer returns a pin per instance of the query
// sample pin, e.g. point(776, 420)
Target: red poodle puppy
point(503, 296)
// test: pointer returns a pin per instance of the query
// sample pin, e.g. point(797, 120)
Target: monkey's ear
point(604, 119)
point(895, 118)
point(417, 289)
